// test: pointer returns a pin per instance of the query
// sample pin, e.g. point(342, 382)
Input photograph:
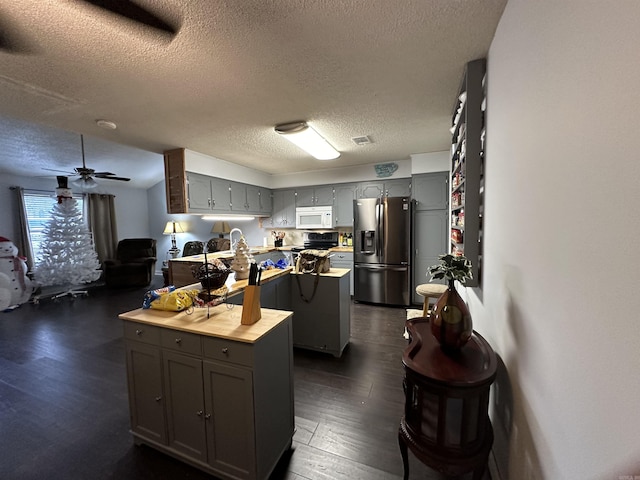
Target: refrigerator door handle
point(380, 213)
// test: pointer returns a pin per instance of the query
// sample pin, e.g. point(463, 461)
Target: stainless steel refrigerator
point(382, 250)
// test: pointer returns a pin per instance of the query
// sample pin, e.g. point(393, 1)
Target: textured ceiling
point(234, 69)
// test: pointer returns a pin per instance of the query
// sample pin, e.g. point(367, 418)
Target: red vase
point(451, 321)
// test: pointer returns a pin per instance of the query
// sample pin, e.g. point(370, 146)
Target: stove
point(321, 241)
point(318, 241)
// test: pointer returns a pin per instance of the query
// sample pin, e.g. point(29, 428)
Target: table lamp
point(221, 228)
point(171, 229)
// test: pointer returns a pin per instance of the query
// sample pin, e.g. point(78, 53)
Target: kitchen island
point(209, 391)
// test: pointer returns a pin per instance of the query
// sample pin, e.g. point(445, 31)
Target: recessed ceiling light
point(106, 124)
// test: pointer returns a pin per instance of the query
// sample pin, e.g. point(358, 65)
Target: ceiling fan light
point(85, 183)
point(306, 138)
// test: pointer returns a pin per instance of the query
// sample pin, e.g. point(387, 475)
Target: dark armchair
point(134, 265)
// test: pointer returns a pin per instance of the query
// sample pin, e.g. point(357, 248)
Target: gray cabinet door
point(431, 191)
point(228, 392)
point(199, 192)
point(371, 190)
point(345, 195)
point(185, 404)
point(220, 195)
point(344, 260)
point(323, 195)
point(253, 199)
point(238, 197)
point(146, 399)
point(397, 188)
point(265, 204)
point(284, 208)
point(305, 197)
point(430, 240)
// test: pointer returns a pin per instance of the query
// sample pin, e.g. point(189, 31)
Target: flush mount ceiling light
point(106, 124)
point(306, 138)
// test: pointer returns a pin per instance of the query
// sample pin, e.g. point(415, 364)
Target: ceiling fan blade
point(111, 177)
point(59, 171)
point(103, 174)
point(13, 42)
point(128, 9)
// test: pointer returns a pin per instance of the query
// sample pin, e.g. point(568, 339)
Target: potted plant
point(450, 319)
point(451, 267)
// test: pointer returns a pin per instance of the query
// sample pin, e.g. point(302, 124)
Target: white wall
point(560, 300)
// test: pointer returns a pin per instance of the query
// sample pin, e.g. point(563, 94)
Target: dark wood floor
point(64, 410)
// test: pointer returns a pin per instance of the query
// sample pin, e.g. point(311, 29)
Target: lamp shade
point(220, 227)
point(306, 138)
point(173, 227)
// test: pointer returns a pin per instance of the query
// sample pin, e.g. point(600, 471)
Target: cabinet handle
point(225, 351)
point(178, 341)
point(139, 332)
point(158, 398)
point(199, 413)
point(207, 416)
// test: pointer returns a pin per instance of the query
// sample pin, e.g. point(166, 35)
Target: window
point(38, 208)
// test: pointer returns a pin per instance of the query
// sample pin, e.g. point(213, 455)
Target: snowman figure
point(15, 268)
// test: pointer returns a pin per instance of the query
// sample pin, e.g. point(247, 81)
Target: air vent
point(362, 140)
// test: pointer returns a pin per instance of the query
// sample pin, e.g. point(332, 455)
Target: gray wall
point(131, 205)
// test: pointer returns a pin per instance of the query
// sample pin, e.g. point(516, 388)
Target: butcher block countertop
point(223, 322)
point(333, 272)
point(341, 249)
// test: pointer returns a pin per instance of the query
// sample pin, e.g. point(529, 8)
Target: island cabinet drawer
point(142, 332)
point(181, 341)
point(228, 351)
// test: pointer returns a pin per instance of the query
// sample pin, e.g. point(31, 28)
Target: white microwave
point(314, 217)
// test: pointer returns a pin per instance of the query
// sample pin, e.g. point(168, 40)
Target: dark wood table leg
point(404, 453)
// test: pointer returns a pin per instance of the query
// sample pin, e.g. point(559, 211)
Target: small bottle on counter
point(349, 240)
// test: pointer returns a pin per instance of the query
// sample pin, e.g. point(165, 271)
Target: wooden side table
point(446, 422)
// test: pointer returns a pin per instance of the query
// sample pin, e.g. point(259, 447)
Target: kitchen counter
point(342, 249)
point(222, 322)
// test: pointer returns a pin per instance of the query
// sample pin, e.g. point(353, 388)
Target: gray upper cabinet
point(397, 188)
point(198, 192)
point(284, 209)
point(400, 187)
point(220, 194)
point(250, 199)
point(240, 197)
point(312, 196)
point(370, 190)
point(206, 194)
point(345, 194)
point(431, 191)
point(265, 205)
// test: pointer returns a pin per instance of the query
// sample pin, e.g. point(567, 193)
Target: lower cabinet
point(221, 405)
point(344, 260)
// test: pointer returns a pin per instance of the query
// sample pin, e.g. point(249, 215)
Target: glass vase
point(451, 321)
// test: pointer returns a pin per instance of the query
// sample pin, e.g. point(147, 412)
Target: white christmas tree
point(68, 255)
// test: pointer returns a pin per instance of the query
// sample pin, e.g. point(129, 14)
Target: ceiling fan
point(87, 175)
point(128, 9)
